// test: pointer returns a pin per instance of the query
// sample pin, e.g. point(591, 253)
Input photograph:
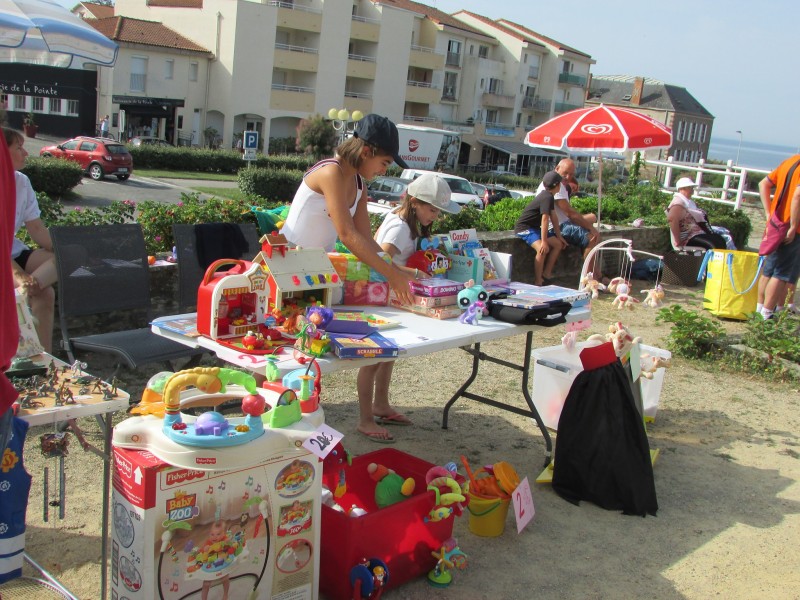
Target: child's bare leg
point(538, 263)
point(365, 385)
point(552, 257)
point(380, 402)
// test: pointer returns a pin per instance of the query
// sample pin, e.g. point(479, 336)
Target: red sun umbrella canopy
point(601, 129)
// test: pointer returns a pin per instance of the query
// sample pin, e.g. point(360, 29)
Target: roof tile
point(149, 33)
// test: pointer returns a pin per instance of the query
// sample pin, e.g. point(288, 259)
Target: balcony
point(533, 72)
point(453, 59)
point(497, 100)
point(422, 92)
point(535, 104)
point(296, 58)
point(571, 79)
point(415, 119)
point(297, 17)
point(365, 29)
point(291, 97)
point(360, 66)
point(358, 101)
point(499, 129)
point(561, 107)
point(425, 58)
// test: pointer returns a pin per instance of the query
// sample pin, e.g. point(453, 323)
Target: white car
point(460, 189)
point(521, 193)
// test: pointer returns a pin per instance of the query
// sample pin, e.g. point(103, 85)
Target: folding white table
point(417, 336)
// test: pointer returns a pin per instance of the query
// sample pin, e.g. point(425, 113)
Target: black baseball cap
point(551, 178)
point(382, 133)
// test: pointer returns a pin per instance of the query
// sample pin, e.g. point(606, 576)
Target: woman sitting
point(688, 224)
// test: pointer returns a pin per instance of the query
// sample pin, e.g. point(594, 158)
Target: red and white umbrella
point(600, 129)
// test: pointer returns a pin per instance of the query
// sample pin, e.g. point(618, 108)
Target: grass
point(227, 193)
point(186, 175)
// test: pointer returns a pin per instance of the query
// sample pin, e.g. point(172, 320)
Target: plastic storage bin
point(555, 368)
point(397, 534)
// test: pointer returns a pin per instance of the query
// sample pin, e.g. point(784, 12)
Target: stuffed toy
point(623, 300)
point(390, 488)
point(590, 284)
point(650, 364)
point(619, 336)
point(616, 282)
point(655, 297)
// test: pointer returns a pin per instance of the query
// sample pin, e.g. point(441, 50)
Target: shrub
point(501, 216)
point(272, 184)
point(53, 176)
point(210, 161)
point(468, 218)
point(693, 335)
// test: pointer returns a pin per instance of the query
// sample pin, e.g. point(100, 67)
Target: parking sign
point(250, 141)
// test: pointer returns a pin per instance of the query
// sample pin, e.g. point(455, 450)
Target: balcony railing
point(533, 72)
point(292, 6)
point(536, 103)
point(291, 48)
point(365, 19)
point(572, 79)
point(361, 58)
point(423, 49)
point(423, 84)
point(292, 88)
point(363, 95)
point(498, 128)
point(420, 119)
point(453, 59)
point(138, 81)
point(561, 107)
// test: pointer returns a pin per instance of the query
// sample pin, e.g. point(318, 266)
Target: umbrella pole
point(599, 188)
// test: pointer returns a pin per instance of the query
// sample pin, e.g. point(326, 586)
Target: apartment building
point(672, 105)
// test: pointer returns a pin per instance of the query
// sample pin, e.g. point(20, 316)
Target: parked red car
point(98, 157)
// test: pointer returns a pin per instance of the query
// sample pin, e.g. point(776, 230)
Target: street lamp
point(739, 147)
point(343, 121)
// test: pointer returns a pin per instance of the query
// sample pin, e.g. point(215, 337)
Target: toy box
point(555, 368)
point(464, 268)
point(369, 346)
point(435, 287)
point(450, 311)
point(363, 286)
point(240, 533)
point(398, 534)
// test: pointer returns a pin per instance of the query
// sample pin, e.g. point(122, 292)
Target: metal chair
point(190, 269)
point(103, 268)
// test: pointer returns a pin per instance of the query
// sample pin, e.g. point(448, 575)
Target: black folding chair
point(101, 269)
point(192, 267)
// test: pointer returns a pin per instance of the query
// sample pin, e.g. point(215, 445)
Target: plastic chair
point(103, 268)
point(190, 271)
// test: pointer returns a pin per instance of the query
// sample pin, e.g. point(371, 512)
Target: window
point(450, 86)
point(566, 67)
point(88, 146)
point(19, 102)
point(169, 68)
point(471, 49)
point(193, 67)
point(491, 116)
point(72, 107)
point(692, 131)
point(138, 73)
point(681, 130)
point(71, 145)
point(525, 59)
point(3, 100)
point(519, 119)
point(55, 105)
point(701, 133)
point(483, 51)
point(453, 53)
point(495, 86)
point(38, 104)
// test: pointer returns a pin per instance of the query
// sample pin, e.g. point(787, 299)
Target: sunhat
point(433, 190)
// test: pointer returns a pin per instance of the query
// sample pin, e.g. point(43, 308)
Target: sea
point(752, 154)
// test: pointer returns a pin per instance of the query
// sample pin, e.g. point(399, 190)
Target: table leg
point(525, 369)
point(106, 500)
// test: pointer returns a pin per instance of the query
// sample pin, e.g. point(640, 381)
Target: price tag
point(523, 504)
point(322, 441)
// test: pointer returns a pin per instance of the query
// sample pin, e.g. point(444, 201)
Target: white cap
point(433, 190)
point(684, 182)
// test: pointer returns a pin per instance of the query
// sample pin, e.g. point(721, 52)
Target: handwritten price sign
point(523, 504)
point(322, 441)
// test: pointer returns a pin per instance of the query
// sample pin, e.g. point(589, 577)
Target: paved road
point(101, 193)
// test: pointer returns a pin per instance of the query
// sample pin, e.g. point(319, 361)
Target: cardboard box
point(433, 287)
point(434, 312)
point(219, 534)
point(428, 301)
point(369, 346)
point(464, 268)
point(555, 368)
point(398, 534)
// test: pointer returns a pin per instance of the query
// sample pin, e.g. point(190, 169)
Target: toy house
point(296, 274)
point(231, 303)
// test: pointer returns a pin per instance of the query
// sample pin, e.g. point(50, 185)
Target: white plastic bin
point(555, 368)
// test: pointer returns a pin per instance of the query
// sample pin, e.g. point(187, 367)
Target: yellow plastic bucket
point(487, 516)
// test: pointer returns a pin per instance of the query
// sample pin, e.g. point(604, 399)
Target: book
point(575, 297)
point(370, 346)
point(526, 301)
point(184, 326)
point(435, 287)
point(376, 321)
point(489, 271)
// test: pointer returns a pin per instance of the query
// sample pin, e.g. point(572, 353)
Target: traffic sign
point(249, 154)
point(250, 141)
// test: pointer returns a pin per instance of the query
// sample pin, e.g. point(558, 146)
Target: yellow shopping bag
point(731, 277)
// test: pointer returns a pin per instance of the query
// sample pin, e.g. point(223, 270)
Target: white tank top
point(308, 223)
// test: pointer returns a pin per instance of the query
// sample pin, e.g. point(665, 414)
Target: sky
point(737, 58)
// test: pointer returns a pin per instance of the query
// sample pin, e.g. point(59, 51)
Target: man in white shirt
point(577, 229)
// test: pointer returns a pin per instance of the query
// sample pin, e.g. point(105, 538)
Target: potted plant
point(29, 126)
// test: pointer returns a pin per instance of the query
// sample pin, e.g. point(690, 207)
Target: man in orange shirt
point(782, 267)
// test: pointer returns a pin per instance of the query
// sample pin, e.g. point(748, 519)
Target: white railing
point(423, 49)
point(361, 19)
point(412, 83)
point(420, 119)
point(292, 6)
point(291, 48)
point(292, 88)
point(734, 179)
point(363, 95)
point(361, 58)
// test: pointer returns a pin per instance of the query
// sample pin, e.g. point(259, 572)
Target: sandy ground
point(726, 480)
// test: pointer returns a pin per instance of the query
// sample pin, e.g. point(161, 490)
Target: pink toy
point(623, 300)
point(655, 297)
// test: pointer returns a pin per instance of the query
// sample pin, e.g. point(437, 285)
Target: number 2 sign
point(523, 504)
point(322, 440)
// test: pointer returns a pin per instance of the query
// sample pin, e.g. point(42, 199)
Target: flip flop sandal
point(377, 436)
point(394, 419)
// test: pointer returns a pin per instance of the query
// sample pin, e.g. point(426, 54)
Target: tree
point(316, 136)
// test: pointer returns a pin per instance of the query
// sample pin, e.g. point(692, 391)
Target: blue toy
point(472, 300)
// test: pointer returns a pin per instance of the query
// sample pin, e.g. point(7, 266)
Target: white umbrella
point(43, 32)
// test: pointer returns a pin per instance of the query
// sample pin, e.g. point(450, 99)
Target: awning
point(519, 148)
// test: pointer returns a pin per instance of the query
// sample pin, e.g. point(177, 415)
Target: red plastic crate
point(397, 534)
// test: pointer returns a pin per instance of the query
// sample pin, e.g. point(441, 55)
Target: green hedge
point(210, 161)
point(52, 176)
point(278, 185)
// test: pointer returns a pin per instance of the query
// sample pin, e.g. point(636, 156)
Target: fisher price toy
point(369, 578)
point(448, 557)
point(390, 488)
